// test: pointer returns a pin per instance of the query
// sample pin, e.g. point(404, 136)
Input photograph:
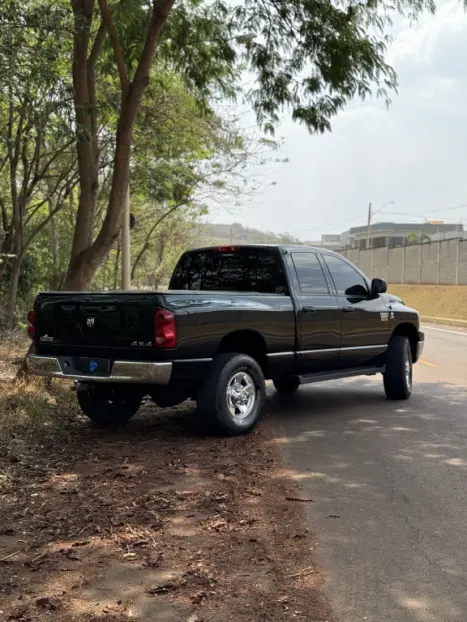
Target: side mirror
point(378, 286)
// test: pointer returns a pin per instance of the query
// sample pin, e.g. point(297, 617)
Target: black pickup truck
point(233, 316)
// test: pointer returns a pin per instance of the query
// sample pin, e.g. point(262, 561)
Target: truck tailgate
point(112, 320)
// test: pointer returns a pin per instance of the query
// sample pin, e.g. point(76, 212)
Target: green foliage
point(312, 57)
point(307, 57)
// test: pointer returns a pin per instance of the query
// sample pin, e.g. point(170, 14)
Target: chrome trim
point(420, 346)
point(383, 346)
point(320, 351)
point(192, 361)
point(122, 371)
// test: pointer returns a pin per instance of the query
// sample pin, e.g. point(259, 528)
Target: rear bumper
point(140, 372)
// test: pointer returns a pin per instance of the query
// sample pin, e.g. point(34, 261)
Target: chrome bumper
point(420, 345)
point(122, 371)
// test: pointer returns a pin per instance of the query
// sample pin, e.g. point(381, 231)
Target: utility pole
point(369, 227)
point(126, 246)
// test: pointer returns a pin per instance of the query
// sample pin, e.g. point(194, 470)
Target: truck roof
point(286, 247)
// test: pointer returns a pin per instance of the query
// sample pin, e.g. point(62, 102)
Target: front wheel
point(108, 405)
point(398, 374)
point(232, 397)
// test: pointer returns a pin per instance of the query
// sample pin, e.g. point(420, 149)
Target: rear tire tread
point(212, 403)
point(104, 413)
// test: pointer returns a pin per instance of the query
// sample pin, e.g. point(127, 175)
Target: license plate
point(94, 367)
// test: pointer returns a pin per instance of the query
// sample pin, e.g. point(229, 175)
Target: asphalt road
point(389, 484)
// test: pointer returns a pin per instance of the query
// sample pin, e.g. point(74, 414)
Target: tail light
point(165, 331)
point(32, 324)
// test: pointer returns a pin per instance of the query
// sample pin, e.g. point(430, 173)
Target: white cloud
point(415, 153)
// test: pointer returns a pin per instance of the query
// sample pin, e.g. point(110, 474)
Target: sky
point(413, 154)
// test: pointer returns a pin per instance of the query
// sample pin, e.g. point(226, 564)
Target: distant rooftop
point(425, 227)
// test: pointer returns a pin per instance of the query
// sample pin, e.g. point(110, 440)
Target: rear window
point(239, 270)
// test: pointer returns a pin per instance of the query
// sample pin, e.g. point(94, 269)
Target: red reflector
point(165, 333)
point(226, 249)
point(32, 324)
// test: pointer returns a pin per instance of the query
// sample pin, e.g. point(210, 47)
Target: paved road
point(389, 481)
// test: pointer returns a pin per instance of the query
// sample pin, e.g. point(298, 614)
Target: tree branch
point(108, 21)
point(94, 55)
point(148, 236)
point(51, 214)
point(4, 215)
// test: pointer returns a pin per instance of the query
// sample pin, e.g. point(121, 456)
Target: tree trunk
point(85, 140)
point(86, 257)
point(84, 266)
point(12, 296)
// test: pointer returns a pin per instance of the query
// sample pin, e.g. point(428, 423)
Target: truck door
point(364, 319)
point(319, 316)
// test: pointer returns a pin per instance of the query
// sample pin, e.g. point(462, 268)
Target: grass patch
point(444, 301)
point(30, 409)
point(30, 412)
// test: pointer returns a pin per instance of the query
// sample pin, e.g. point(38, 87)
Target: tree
point(36, 142)
point(309, 57)
point(417, 237)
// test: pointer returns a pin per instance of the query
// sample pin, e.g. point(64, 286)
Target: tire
point(286, 386)
point(232, 397)
point(108, 406)
point(398, 375)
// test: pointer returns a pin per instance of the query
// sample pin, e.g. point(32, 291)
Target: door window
point(310, 274)
point(347, 280)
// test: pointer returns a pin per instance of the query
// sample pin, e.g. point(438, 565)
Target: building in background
point(399, 234)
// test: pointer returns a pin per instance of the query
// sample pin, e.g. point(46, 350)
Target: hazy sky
point(414, 154)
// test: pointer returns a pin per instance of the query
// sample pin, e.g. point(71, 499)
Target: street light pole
point(126, 245)
point(369, 227)
point(370, 214)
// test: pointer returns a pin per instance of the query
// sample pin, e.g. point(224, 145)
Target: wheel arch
point(406, 329)
point(249, 342)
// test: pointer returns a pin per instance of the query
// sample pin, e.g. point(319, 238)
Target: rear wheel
point(231, 399)
point(286, 386)
point(108, 405)
point(398, 374)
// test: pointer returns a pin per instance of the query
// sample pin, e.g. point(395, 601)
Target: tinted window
point(347, 280)
point(242, 270)
point(310, 274)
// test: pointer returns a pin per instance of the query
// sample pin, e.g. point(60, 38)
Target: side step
point(337, 374)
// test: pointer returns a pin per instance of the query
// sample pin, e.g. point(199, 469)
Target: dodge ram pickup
point(232, 318)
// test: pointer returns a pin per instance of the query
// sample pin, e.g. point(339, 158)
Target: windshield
point(240, 269)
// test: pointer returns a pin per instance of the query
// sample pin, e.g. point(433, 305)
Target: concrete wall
point(443, 263)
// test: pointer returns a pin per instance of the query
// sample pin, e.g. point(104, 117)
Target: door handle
point(348, 309)
point(308, 309)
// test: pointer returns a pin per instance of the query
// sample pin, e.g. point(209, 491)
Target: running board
point(337, 374)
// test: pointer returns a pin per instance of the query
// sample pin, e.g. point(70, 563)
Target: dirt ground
point(152, 522)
